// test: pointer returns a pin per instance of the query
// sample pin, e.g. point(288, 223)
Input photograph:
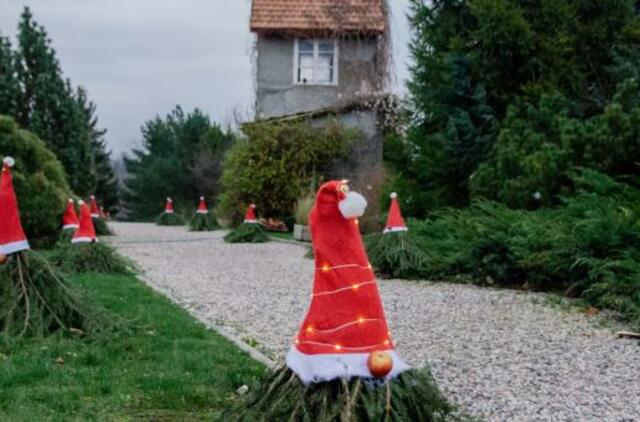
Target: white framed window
point(315, 61)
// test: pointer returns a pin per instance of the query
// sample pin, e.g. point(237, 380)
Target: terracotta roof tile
point(318, 15)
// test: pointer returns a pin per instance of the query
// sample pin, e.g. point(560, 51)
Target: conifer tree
point(48, 106)
point(105, 183)
point(179, 158)
point(9, 87)
point(474, 61)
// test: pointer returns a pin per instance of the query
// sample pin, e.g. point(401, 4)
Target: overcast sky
point(139, 58)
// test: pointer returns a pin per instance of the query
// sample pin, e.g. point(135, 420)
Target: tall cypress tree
point(105, 183)
point(9, 87)
point(48, 105)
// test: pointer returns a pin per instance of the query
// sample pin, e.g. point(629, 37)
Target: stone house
point(319, 59)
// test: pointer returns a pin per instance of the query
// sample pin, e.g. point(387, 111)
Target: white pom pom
point(93, 197)
point(9, 161)
point(70, 201)
point(394, 195)
point(202, 198)
point(80, 202)
point(353, 205)
point(252, 205)
point(169, 200)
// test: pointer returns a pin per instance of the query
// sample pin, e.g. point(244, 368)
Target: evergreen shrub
point(39, 180)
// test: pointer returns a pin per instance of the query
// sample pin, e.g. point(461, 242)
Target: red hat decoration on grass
point(250, 216)
point(70, 218)
point(12, 237)
point(95, 211)
point(168, 207)
point(395, 222)
point(345, 332)
point(202, 206)
point(86, 233)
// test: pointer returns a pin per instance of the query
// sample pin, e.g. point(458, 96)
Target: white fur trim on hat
point(327, 367)
point(13, 247)
point(395, 229)
point(84, 239)
point(9, 161)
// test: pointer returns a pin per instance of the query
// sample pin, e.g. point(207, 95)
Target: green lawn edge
point(161, 364)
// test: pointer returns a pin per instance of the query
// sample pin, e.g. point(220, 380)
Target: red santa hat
point(86, 233)
point(395, 222)
point(345, 325)
point(12, 237)
point(168, 207)
point(95, 211)
point(202, 206)
point(70, 218)
point(250, 216)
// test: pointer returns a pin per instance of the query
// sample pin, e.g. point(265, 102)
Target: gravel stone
point(500, 354)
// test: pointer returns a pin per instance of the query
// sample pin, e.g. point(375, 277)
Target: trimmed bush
point(90, 258)
point(412, 396)
point(101, 226)
point(203, 223)
point(276, 164)
point(589, 247)
point(39, 181)
point(396, 255)
point(36, 301)
point(247, 233)
point(167, 219)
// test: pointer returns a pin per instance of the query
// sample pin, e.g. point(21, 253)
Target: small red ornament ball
point(3, 259)
point(380, 364)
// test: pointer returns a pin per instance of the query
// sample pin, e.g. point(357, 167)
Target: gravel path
point(503, 355)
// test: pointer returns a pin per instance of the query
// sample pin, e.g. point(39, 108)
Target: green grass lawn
point(165, 366)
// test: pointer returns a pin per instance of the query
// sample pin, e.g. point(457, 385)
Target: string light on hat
point(340, 347)
point(311, 330)
point(344, 289)
point(359, 321)
point(326, 267)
